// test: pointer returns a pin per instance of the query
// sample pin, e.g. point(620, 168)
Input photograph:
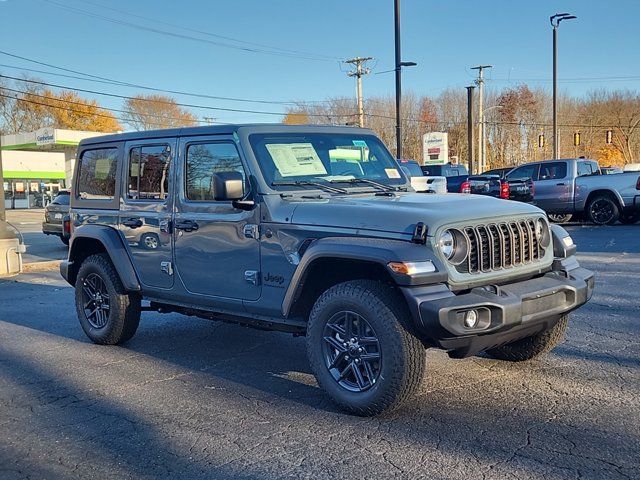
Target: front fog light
point(471, 319)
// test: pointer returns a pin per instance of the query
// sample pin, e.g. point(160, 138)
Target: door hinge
point(166, 267)
point(251, 276)
point(251, 230)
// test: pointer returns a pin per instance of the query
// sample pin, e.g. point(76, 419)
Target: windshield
point(413, 168)
point(290, 158)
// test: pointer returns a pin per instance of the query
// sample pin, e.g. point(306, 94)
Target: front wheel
point(359, 349)
point(108, 313)
point(533, 346)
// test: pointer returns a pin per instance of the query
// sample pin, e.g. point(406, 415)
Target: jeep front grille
point(500, 245)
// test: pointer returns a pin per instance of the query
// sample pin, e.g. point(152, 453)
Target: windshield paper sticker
point(360, 143)
point(392, 173)
point(296, 159)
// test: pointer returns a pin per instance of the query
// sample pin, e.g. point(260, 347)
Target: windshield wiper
point(309, 183)
point(373, 183)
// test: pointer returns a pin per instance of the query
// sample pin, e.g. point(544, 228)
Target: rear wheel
point(359, 349)
point(559, 217)
point(533, 346)
point(603, 210)
point(108, 313)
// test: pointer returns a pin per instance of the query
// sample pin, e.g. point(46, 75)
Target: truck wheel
point(533, 346)
point(603, 210)
point(108, 313)
point(559, 217)
point(359, 349)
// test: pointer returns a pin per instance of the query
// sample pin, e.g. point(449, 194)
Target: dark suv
point(54, 215)
point(314, 231)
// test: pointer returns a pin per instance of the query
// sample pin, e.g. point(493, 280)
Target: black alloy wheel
point(603, 211)
point(352, 351)
point(95, 301)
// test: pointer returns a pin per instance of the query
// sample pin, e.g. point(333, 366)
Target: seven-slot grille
point(501, 245)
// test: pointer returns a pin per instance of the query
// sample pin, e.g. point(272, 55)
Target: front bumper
point(506, 312)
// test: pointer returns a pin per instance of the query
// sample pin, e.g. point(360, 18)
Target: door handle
point(132, 222)
point(561, 184)
point(186, 225)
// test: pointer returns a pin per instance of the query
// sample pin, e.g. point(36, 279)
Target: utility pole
point(470, 142)
point(399, 65)
point(3, 216)
point(555, 22)
point(358, 73)
point(481, 133)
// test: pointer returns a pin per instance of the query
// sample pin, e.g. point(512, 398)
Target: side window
point(205, 159)
point(584, 169)
point(97, 174)
point(149, 172)
point(553, 170)
point(524, 172)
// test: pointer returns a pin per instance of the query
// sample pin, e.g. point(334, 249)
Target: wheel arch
point(93, 239)
point(613, 194)
point(333, 260)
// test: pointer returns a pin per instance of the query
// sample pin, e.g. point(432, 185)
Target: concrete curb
point(46, 266)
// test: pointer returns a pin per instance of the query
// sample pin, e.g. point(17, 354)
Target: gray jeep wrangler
point(314, 231)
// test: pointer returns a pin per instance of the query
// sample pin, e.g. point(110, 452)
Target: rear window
point(97, 174)
point(61, 199)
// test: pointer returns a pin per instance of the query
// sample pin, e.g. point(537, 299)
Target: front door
point(217, 249)
point(145, 211)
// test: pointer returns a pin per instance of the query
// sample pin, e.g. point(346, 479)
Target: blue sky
point(443, 37)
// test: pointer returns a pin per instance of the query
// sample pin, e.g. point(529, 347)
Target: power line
point(182, 36)
point(100, 79)
point(202, 32)
point(186, 105)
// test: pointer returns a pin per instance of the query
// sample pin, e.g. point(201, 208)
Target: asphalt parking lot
point(188, 398)
point(40, 247)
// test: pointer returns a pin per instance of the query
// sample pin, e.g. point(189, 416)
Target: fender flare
point(112, 242)
point(374, 250)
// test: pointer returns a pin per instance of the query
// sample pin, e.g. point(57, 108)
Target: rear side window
point(149, 172)
point(205, 159)
point(553, 170)
point(62, 199)
point(97, 174)
point(584, 169)
point(524, 172)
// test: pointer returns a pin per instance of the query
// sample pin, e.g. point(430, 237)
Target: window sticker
point(392, 172)
point(360, 143)
point(296, 159)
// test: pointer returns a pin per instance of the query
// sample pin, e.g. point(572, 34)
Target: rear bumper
point(52, 228)
point(506, 313)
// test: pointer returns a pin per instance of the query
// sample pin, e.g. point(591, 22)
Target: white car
point(420, 182)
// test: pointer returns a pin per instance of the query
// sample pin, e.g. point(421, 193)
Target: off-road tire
point(560, 217)
point(124, 309)
point(533, 346)
point(403, 356)
point(600, 202)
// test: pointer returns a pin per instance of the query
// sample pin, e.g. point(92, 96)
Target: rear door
point(145, 211)
point(554, 187)
point(217, 246)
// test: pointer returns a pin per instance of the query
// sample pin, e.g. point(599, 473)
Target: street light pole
point(398, 69)
point(555, 22)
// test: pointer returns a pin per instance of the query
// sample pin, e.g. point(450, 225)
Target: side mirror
point(227, 186)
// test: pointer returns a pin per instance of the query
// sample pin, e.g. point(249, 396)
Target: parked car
point(264, 228)
point(54, 214)
point(574, 186)
point(521, 190)
point(454, 173)
point(419, 181)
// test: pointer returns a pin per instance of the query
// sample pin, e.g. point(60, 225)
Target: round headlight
point(542, 232)
point(447, 244)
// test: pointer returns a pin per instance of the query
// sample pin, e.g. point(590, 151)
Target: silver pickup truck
point(575, 186)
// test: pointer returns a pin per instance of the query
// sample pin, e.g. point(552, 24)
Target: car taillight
point(66, 225)
point(504, 190)
point(465, 187)
point(532, 184)
point(638, 184)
